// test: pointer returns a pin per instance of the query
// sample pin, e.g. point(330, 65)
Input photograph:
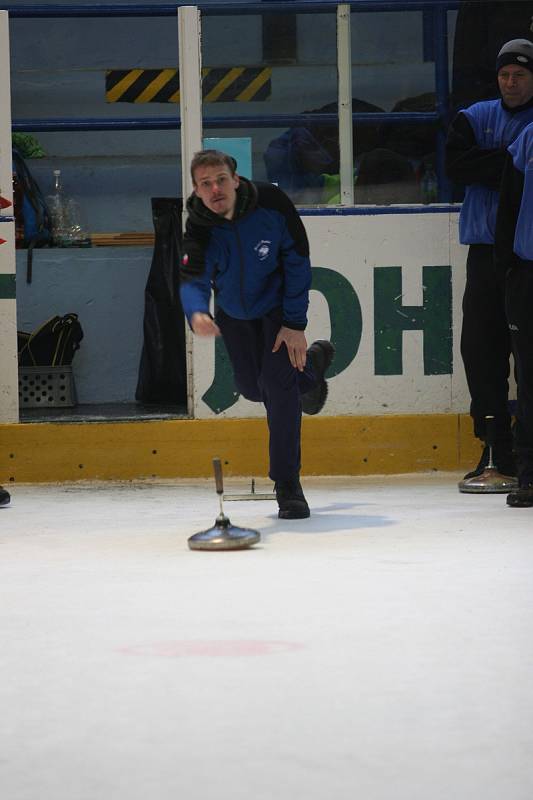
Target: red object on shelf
point(3, 241)
point(4, 203)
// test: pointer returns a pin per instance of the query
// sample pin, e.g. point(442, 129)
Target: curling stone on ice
point(490, 481)
point(223, 535)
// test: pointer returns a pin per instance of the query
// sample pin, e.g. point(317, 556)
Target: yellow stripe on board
point(122, 86)
point(255, 85)
point(222, 85)
point(164, 77)
point(347, 445)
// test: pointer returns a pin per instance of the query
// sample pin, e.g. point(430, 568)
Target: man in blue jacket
point(514, 258)
point(247, 243)
point(475, 156)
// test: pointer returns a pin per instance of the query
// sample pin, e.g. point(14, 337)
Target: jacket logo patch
point(262, 249)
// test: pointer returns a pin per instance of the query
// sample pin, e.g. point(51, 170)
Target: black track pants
point(485, 342)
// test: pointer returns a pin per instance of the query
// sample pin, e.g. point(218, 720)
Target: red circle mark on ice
point(218, 648)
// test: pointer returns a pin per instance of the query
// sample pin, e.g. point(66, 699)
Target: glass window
point(393, 70)
point(481, 28)
point(299, 76)
point(101, 68)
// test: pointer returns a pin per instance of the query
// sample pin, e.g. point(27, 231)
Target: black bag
point(162, 370)
point(37, 219)
point(52, 344)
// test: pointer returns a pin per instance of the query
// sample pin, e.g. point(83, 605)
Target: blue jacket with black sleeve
point(475, 156)
point(257, 261)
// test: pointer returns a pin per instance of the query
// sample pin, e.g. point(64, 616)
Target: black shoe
point(321, 355)
point(4, 497)
point(291, 501)
point(521, 498)
point(503, 458)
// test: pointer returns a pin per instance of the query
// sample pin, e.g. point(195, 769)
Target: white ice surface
point(382, 650)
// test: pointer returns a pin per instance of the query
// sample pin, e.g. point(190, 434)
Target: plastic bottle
point(58, 211)
point(67, 227)
point(77, 229)
point(430, 185)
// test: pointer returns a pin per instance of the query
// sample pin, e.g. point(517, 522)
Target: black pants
point(267, 377)
point(519, 306)
point(485, 343)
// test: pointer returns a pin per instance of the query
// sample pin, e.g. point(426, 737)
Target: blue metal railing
point(221, 8)
point(440, 116)
point(257, 121)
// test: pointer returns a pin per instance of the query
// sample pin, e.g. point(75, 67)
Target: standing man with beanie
point(247, 242)
point(476, 150)
point(514, 257)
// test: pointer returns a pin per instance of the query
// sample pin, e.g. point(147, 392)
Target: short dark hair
point(212, 158)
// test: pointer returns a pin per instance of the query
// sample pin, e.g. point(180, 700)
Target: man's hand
point(296, 345)
point(204, 325)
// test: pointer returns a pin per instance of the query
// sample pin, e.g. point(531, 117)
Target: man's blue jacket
point(475, 155)
point(257, 261)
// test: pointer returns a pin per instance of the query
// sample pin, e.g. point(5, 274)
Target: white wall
point(105, 287)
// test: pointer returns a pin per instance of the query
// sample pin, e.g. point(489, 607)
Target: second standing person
point(475, 155)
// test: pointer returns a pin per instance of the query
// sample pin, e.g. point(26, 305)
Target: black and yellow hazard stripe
point(219, 85)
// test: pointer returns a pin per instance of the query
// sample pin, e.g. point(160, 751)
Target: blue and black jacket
point(514, 225)
point(476, 151)
point(255, 262)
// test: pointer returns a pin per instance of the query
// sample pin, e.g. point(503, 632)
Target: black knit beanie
point(517, 51)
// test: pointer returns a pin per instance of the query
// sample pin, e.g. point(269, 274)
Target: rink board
point(387, 290)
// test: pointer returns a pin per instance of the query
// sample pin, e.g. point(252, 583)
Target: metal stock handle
point(217, 466)
point(489, 430)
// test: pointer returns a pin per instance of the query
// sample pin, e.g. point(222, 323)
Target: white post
point(190, 67)
point(9, 404)
point(344, 66)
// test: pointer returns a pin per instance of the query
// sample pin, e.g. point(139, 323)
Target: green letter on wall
point(434, 318)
